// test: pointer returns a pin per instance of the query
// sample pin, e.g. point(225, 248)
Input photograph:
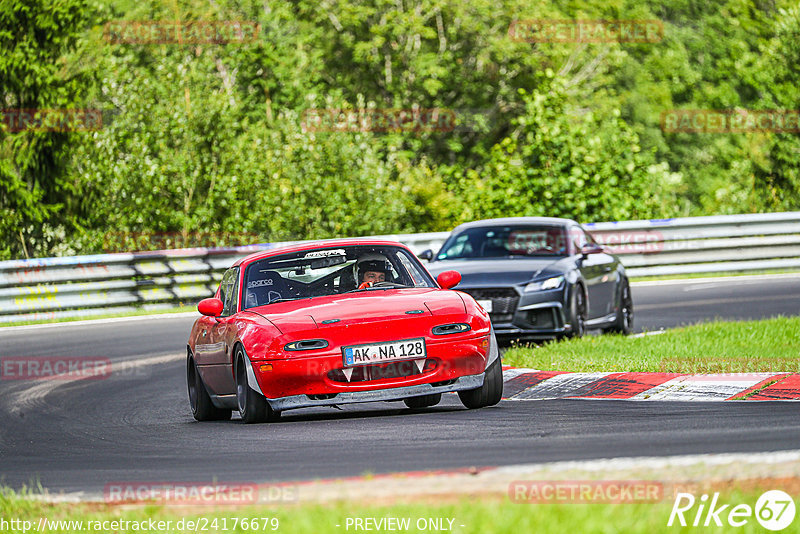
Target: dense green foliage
point(214, 138)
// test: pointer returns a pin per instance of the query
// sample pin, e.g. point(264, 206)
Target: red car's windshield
point(330, 271)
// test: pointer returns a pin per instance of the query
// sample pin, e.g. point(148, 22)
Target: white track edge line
point(708, 279)
point(90, 322)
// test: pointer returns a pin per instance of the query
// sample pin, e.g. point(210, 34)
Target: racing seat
point(267, 287)
point(348, 281)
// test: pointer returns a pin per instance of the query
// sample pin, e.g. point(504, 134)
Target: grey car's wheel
point(489, 393)
point(253, 407)
point(624, 322)
point(202, 407)
point(578, 309)
point(423, 401)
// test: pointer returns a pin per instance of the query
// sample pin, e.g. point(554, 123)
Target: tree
point(777, 165)
point(37, 198)
point(567, 162)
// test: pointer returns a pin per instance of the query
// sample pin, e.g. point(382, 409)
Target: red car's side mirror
point(211, 307)
point(449, 279)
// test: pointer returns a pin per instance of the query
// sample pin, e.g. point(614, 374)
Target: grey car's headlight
point(543, 285)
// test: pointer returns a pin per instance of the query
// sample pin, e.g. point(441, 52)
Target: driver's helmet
point(372, 261)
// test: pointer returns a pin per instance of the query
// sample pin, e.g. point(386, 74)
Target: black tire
point(424, 401)
point(202, 407)
point(489, 393)
point(624, 323)
point(577, 305)
point(253, 407)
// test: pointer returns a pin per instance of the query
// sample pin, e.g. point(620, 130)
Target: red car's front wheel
point(253, 407)
point(489, 393)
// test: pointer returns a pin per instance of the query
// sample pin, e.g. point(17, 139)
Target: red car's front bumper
point(317, 380)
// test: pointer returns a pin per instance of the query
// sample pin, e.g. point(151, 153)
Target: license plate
point(406, 349)
point(486, 305)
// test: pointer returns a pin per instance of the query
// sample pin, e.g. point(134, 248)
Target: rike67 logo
point(774, 510)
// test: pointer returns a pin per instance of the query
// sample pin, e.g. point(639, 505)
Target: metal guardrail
point(692, 245)
point(76, 286)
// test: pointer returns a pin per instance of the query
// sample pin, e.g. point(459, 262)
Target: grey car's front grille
point(504, 301)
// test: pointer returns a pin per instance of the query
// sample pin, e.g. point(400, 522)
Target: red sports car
point(336, 322)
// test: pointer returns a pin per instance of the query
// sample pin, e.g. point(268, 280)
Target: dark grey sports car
point(538, 277)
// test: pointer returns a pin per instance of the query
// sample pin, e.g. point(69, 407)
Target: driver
point(372, 268)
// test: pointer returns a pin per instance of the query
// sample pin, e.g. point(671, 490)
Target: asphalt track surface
point(135, 426)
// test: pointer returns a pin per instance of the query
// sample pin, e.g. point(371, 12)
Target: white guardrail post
point(51, 288)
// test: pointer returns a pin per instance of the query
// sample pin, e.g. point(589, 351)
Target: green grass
point(478, 515)
point(136, 313)
point(770, 345)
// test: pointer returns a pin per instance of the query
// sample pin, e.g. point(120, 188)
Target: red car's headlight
point(454, 328)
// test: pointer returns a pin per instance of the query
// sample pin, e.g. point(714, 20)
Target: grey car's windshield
point(331, 271)
point(506, 241)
